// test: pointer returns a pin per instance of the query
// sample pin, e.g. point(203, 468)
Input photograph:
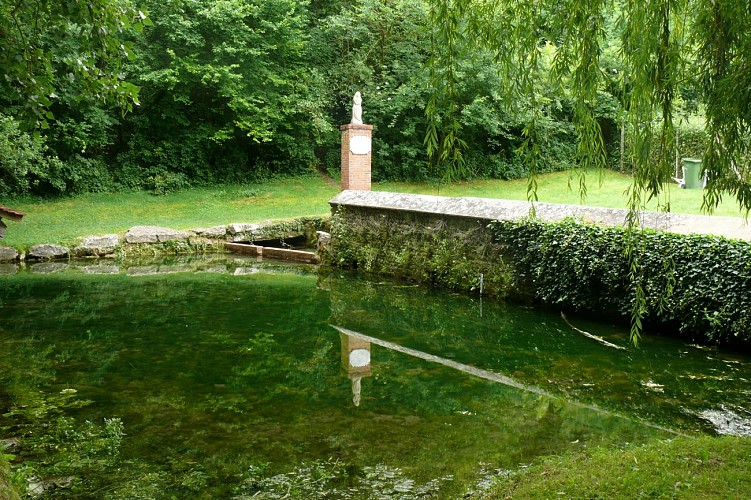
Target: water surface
point(251, 379)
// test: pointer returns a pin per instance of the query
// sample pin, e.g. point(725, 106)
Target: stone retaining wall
point(445, 241)
point(152, 240)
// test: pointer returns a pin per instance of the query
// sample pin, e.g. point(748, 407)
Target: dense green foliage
point(697, 285)
point(67, 54)
point(233, 90)
point(7, 490)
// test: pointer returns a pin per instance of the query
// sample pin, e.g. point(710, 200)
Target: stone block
point(211, 232)
point(97, 245)
point(242, 228)
point(8, 254)
point(48, 251)
point(154, 234)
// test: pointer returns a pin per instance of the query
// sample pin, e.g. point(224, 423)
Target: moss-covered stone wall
point(451, 252)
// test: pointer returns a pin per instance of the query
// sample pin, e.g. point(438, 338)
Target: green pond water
point(258, 380)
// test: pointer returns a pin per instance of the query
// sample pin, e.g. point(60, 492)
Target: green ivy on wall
point(698, 285)
point(695, 285)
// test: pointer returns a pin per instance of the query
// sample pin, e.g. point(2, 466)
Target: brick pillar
point(356, 154)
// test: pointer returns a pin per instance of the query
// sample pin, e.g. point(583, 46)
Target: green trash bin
point(692, 176)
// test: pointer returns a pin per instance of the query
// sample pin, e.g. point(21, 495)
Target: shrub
point(167, 183)
point(25, 166)
point(699, 284)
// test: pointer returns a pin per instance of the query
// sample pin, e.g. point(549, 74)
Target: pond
point(229, 378)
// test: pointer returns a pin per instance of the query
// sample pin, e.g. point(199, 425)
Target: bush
point(699, 284)
point(25, 166)
point(167, 183)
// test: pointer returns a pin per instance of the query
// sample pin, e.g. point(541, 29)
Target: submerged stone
point(8, 269)
point(101, 269)
point(48, 267)
point(729, 422)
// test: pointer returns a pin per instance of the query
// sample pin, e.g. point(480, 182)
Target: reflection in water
point(223, 384)
point(356, 361)
point(354, 340)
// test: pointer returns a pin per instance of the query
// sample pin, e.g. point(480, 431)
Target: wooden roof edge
point(9, 213)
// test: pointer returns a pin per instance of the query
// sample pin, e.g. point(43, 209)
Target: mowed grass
point(703, 467)
point(65, 219)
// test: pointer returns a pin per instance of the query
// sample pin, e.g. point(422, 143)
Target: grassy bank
point(61, 220)
point(7, 491)
point(703, 467)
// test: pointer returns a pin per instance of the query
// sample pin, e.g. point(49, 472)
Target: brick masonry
point(355, 166)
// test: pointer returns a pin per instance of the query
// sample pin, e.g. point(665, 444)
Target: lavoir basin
point(229, 378)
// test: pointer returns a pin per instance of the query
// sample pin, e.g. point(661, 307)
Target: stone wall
point(152, 240)
point(445, 241)
point(454, 252)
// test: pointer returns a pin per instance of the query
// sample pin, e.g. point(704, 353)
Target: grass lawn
point(65, 219)
point(702, 467)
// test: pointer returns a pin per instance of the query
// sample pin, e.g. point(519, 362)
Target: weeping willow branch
point(664, 44)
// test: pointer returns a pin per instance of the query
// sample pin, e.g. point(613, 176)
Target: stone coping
point(491, 209)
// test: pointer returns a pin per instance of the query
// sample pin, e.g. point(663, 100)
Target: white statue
point(357, 109)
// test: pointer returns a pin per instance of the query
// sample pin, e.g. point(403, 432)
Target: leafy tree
point(382, 49)
point(24, 160)
point(226, 90)
point(658, 40)
point(76, 48)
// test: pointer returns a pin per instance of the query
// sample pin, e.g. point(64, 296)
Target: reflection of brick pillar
point(355, 356)
point(356, 154)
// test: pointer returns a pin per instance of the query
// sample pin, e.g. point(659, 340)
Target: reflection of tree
point(210, 374)
point(537, 348)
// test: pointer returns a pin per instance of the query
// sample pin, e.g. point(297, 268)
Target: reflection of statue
point(357, 109)
point(356, 390)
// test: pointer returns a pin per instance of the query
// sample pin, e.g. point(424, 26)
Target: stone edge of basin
point(106, 245)
point(491, 209)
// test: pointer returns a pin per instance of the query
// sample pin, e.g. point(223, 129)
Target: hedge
point(697, 285)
